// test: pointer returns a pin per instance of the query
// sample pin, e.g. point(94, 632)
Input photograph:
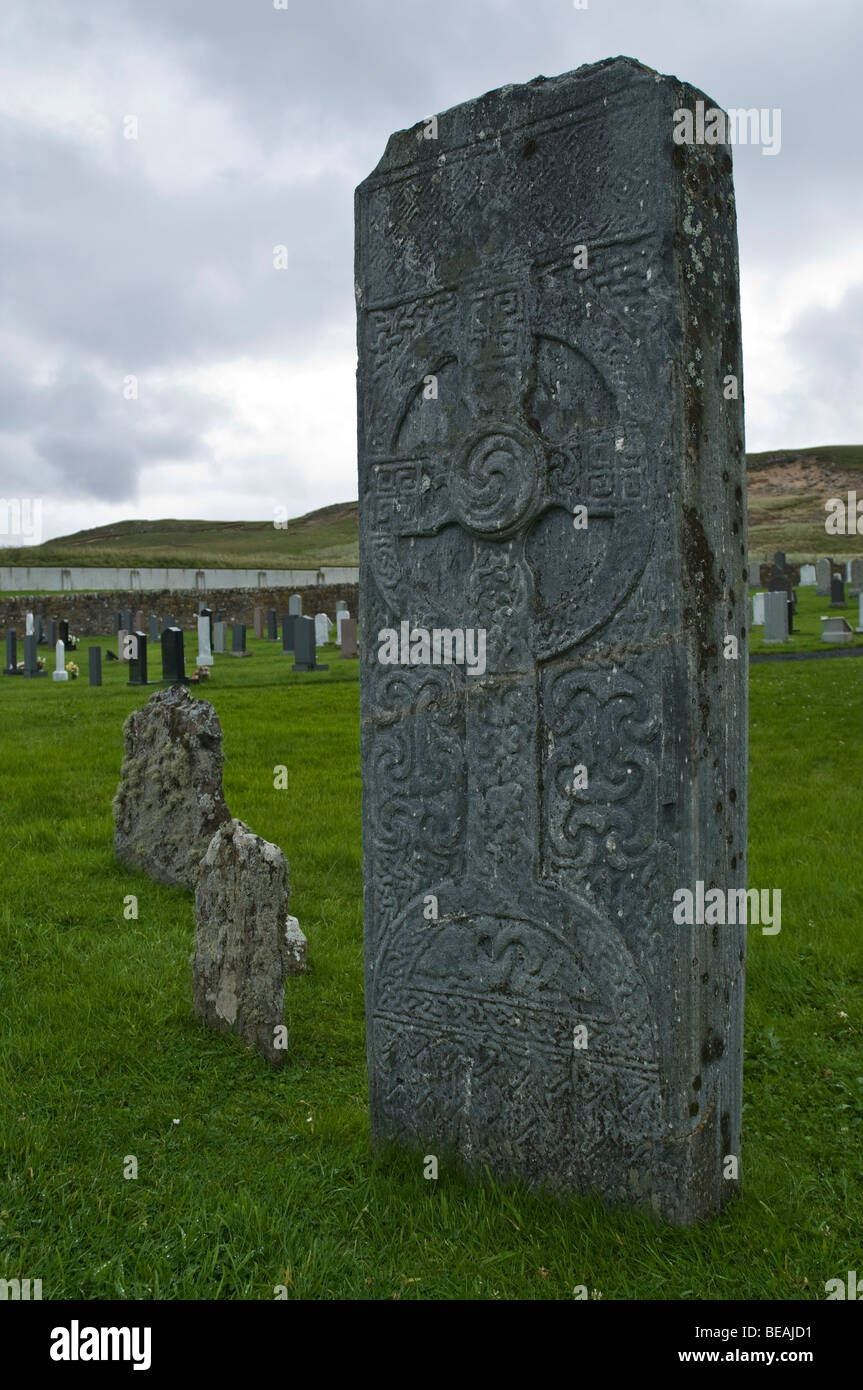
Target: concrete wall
point(92, 615)
point(79, 579)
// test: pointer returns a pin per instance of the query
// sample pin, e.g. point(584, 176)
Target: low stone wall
point(92, 615)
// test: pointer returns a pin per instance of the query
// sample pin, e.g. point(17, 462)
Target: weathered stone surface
point(823, 576)
point(775, 617)
point(504, 383)
point(170, 802)
point(245, 941)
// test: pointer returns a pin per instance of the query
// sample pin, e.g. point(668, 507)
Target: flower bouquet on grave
point(72, 669)
point(202, 673)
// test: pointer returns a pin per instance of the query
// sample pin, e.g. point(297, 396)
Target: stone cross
point(548, 314)
point(60, 673)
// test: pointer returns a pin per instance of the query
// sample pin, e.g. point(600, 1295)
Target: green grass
point(268, 1179)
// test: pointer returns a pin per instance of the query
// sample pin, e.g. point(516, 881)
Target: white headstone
point(205, 652)
point(61, 674)
point(322, 629)
point(28, 625)
point(757, 609)
point(807, 575)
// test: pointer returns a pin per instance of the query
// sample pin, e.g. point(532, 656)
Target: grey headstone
point(170, 802)
point(258, 622)
point(94, 657)
point(11, 667)
point(856, 577)
point(173, 656)
point(153, 634)
point(220, 638)
point(860, 613)
point(304, 646)
point(245, 941)
point(31, 657)
point(138, 663)
point(807, 576)
point(238, 639)
point(837, 592)
point(288, 625)
point(556, 387)
point(836, 630)
point(128, 622)
point(51, 632)
point(823, 575)
point(295, 605)
point(169, 622)
point(40, 628)
point(272, 625)
point(776, 617)
point(349, 638)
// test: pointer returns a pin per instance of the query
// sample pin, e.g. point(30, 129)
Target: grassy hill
point(787, 492)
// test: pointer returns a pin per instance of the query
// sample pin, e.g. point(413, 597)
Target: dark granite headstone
point(63, 632)
point(534, 798)
point(173, 656)
point(304, 646)
point(128, 622)
point(94, 657)
point(138, 663)
point(40, 629)
point(153, 628)
point(51, 632)
point(288, 625)
point(837, 591)
point(118, 622)
point(272, 625)
point(31, 657)
point(349, 639)
point(11, 667)
point(169, 622)
point(238, 639)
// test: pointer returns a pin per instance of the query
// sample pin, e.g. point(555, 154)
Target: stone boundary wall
point(87, 579)
point(92, 615)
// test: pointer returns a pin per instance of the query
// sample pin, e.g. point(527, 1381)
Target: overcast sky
point(153, 257)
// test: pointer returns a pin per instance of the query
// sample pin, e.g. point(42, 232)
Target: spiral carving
point(494, 482)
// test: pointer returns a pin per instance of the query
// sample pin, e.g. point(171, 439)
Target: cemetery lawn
point(249, 1180)
point(806, 636)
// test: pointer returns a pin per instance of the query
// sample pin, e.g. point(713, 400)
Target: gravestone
point(11, 667)
point(272, 625)
point(153, 633)
point(341, 607)
point(169, 622)
point(855, 579)
point(757, 609)
point(64, 631)
point(775, 617)
point(349, 638)
point(208, 614)
point(847, 571)
point(531, 1005)
point(123, 648)
point(242, 949)
point(29, 628)
point(205, 651)
point(220, 638)
point(118, 622)
point(128, 623)
point(807, 576)
point(40, 628)
point(295, 605)
point(305, 646)
point(837, 592)
point(51, 632)
point(322, 629)
point(170, 802)
point(258, 618)
point(823, 575)
point(859, 627)
point(140, 623)
point(782, 580)
point(288, 624)
point(138, 662)
point(836, 630)
point(60, 673)
point(173, 657)
point(238, 641)
point(341, 615)
point(31, 657)
point(94, 657)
